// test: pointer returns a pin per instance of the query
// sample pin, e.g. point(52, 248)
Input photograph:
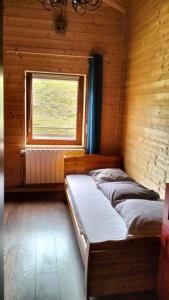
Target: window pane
point(54, 109)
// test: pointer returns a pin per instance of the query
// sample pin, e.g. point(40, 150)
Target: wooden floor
point(42, 259)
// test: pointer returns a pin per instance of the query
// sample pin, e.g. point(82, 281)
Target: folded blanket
point(117, 192)
point(142, 217)
point(109, 175)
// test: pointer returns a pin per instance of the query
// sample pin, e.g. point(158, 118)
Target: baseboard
point(59, 187)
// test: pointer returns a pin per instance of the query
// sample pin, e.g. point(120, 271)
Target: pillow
point(109, 174)
point(119, 191)
point(142, 217)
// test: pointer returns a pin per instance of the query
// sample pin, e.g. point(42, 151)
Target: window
point(54, 108)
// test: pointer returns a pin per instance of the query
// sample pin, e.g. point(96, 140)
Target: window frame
point(80, 116)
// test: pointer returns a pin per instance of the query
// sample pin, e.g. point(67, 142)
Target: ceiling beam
point(115, 5)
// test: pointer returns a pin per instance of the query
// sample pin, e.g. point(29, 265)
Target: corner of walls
point(120, 124)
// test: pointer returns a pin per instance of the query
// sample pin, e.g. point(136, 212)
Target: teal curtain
point(94, 103)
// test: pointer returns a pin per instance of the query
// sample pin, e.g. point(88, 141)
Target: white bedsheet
point(97, 218)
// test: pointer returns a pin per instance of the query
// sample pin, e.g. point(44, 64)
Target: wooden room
point(86, 149)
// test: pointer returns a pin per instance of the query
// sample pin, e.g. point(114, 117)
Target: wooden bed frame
point(113, 267)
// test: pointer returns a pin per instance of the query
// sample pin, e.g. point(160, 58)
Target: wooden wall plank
point(145, 96)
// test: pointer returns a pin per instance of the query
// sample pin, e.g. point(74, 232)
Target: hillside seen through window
point(54, 109)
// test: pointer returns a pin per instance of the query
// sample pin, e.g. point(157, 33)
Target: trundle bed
point(113, 262)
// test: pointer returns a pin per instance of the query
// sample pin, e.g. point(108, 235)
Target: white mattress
point(98, 220)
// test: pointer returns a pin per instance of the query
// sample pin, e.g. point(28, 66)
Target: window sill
point(58, 147)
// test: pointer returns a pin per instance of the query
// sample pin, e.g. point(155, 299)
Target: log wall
point(28, 27)
point(145, 102)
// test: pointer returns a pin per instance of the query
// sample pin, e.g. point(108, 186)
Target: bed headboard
point(85, 163)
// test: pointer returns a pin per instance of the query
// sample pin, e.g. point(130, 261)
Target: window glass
point(54, 109)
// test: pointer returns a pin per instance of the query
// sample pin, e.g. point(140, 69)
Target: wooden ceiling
point(117, 4)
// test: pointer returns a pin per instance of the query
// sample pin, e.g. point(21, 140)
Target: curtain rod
point(47, 54)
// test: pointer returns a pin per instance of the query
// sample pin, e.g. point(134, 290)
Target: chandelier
point(79, 6)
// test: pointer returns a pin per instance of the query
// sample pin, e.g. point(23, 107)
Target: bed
point(113, 263)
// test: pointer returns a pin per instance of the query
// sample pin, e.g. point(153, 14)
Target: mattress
point(97, 219)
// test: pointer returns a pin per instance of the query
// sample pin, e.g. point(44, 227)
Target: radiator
point(45, 166)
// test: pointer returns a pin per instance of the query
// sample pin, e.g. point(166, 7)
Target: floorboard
point(42, 259)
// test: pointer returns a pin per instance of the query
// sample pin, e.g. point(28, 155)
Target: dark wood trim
point(35, 188)
point(1, 154)
point(163, 276)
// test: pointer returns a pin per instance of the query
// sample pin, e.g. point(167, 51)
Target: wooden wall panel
point(145, 96)
point(28, 27)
